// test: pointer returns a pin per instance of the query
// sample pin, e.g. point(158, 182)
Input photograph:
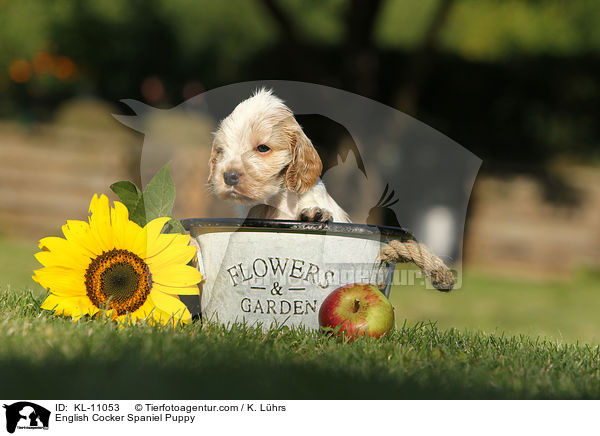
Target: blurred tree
point(516, 81)
point(420, 66)
point(118, 54)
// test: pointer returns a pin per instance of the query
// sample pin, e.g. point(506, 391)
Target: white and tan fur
point(279, 183)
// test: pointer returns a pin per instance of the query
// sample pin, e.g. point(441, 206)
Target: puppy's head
point(260, 149)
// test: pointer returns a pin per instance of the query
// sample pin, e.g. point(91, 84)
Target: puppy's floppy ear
point(305, 168)
point(212, 162)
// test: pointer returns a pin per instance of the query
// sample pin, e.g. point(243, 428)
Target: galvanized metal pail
point(273, 272)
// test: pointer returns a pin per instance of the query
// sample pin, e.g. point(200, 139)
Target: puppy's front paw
point(315, 214)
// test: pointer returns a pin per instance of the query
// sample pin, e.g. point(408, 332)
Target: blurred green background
point(515, 82)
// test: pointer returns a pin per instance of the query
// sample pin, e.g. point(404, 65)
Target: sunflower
point(110, 265)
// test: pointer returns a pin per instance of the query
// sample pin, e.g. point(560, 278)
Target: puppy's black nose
point(231, 178)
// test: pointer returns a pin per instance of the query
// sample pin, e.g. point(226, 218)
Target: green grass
point(17, 264)
point(42, 356)
point(494, 338)
point(566, 309)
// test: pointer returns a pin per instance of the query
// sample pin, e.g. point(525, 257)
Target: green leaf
point(138, 215)
point(173, 226)
point(133, 199)
point(128, 193)
point(156, 201)
point(159, 195)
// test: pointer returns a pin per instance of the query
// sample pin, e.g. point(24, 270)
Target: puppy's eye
point(262, 148)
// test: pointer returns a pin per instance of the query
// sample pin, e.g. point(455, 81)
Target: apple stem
point(356, 305)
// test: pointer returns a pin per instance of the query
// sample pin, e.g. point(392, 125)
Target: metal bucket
point(273, 272)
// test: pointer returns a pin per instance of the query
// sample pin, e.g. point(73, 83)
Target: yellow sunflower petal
point(136, 240)
point(59, 251)
point(93, 203)
point(168, 303)
point(52, 302)
point(55, 244)
point(78, 233)
point(75, 307)
point(173, 319)
point(154, 227)
point(176, 275)
point(146, 312)
point(153, 235)
point(61, 281)
point(180, 240)
point(119, 217)
point(175, 255)
point(154, 313)
point(163, 242)
point(100, 227)
point(59, 258)
point(181, 290)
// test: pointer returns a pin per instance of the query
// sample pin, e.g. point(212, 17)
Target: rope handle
point(433, 267)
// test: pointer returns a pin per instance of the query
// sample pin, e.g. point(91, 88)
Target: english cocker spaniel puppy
point(262, 159)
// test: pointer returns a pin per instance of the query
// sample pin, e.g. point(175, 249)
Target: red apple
point(359, 309)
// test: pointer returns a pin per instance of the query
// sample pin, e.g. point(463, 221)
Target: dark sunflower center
point(118, 279)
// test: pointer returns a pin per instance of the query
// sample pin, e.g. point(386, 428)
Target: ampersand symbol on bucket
point(276, 289)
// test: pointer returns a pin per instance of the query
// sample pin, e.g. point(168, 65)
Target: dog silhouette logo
point(26, 415)
point(382, 213)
